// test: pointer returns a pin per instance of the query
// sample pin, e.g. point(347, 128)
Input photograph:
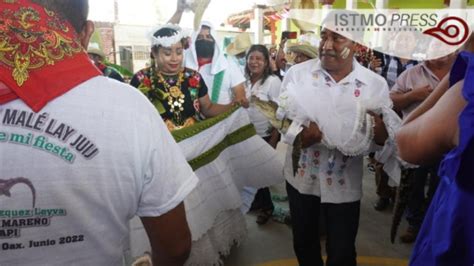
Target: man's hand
point(274, 138)
point(181, 6)
point(380, 131)
point(169, 236)
point(242, 101)
point(421, 93)
point(282, 43)
point(239, 96)
point(311, 135)
point(273, 64)
point(375, 63)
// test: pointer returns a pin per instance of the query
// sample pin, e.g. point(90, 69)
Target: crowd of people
point(96, 152)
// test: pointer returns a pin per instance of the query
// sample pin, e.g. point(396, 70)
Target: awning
point(270, 14)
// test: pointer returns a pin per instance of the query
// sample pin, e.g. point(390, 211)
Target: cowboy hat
point(95, 49)
point(304, 48)
point(241, 43)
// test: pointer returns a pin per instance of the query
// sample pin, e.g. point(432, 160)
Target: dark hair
point(267, 71)
point(74, 11)
point(165, 32)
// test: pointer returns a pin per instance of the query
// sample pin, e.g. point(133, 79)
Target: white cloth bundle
point(344, 122)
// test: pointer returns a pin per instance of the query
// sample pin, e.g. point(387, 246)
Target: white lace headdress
point(167, 41)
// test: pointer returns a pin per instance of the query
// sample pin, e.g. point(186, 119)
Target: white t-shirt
point(268, 91)
point(325, 172)
point(232, 77)
point(79, 170)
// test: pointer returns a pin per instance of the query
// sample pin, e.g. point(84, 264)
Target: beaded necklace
point(175, 96)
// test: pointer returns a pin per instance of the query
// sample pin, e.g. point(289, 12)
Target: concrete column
point(381, 4)
point(285, 24)
point(458, 4)
point(351, 4)
point(259, 24)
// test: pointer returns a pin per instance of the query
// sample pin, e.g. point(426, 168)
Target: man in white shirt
point(325, 179)
point(221, 74)
point(80, 154)
point(237, 49)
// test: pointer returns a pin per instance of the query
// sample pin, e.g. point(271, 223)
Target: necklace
point(174, 93)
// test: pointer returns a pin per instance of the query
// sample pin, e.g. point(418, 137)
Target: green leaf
point(122, 70)
point(159, 106)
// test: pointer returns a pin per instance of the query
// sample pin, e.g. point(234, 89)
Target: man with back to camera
point(80, 154)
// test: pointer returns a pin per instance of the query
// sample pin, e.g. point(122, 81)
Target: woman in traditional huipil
point(179, 94)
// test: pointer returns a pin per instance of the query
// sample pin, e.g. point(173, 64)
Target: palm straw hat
point(241, 44)
point(304, 48)
point(95, 49)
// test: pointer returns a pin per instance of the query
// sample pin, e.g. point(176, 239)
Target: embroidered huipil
point(325, 172)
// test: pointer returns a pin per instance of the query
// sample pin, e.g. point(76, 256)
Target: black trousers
point(263, 200)
point(419, 199)
point(342, 222)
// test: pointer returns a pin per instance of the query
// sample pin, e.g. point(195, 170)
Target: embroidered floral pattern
point(194, 81)
point(309, 164)
point(329, 181)
point(154, 87)
point(356, 92)
point(26, 43)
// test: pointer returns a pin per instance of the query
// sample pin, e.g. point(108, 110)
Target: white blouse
point(268, 91)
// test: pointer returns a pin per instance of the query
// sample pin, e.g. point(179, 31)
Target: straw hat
point(241, 44)
point(94, 48)
point(304, 48)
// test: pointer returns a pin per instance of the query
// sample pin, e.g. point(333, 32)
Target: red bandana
point(41, 57)
point(204, 61)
